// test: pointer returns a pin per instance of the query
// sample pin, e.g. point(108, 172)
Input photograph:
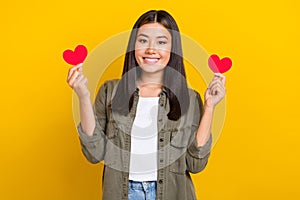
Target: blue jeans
point(145, 190)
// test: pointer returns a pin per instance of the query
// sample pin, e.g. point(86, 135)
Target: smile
point(150, 60)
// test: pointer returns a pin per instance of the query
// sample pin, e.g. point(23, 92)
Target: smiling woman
point(150, 129)
point(153, 45)
point(152, 53)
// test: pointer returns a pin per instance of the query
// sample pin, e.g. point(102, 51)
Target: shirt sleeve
point(197, 156)
point(93, 147)
point(201, 151)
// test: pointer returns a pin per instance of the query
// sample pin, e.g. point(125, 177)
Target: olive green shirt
point(178, 153)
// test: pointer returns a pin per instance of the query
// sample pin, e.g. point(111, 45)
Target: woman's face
point(153, 47)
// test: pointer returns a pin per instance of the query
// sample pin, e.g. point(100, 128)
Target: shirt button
point(161, 160)
point(160, 181)
point(161, 104)
point(161, 139)
point(160, 120)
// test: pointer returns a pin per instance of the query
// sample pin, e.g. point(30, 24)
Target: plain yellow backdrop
point(257, 155)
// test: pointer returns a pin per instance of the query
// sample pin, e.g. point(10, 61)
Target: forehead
point(154, 30)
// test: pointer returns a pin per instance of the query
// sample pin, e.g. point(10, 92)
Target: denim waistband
point(142, 185)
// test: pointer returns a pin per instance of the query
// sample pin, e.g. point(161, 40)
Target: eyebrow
point(162, 36)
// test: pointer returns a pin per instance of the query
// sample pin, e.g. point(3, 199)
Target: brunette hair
point(175, 84)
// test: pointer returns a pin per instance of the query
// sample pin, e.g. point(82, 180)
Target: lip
point(149, 60)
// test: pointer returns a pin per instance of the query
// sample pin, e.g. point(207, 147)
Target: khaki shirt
point(178, 153)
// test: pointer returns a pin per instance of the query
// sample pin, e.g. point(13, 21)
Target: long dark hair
point(174, 83)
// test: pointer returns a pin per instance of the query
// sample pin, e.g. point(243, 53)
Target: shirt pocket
point(177, 153)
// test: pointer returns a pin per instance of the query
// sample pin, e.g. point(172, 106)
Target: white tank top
point(143, 158)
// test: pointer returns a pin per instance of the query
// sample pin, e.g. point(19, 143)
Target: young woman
point(150, 129)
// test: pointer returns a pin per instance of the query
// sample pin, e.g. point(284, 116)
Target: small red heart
point(219, 66)
point(77, 56)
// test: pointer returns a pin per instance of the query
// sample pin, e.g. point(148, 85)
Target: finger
point(85, 81)
point(217, 90)
point(207, 94)
point(79, 78)
point(214, 91)
point(71, 73)
point(81, 82)
point(219, 84)
point(80, 69)
point(213, 82)
point(78, 81)
point(73, 78)
point(73, 69)
point(221, 77)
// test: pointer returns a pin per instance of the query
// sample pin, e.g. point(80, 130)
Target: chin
point(152, 68)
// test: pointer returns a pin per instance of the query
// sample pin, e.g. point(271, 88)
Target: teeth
point(151, 60)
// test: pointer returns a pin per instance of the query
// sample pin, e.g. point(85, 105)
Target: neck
point(151, 80)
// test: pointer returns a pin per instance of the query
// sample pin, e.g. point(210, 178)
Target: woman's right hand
point(78, 81)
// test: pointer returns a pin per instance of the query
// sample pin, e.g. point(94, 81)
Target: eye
point(142, 41)
point(162, 42)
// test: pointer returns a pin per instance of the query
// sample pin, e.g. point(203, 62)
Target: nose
point(151, 49)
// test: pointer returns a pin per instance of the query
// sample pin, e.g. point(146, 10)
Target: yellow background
point(257, 155)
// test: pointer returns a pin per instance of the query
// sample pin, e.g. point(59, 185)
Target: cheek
point(137, 53)
point(138, 50)
point(166, 55)
point(137, 56)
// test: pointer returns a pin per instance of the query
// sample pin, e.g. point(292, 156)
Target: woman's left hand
point(215, 91)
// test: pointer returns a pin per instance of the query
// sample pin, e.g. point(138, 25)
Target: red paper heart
point(77, 56)
point(217, 65)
